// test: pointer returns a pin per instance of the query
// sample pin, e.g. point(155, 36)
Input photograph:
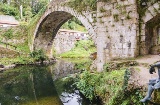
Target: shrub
point(8, 34)
point(9, 10)
point(38, 55)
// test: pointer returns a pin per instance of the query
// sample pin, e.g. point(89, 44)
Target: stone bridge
point(120, 28)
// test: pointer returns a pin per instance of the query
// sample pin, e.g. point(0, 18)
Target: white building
point(7, 21)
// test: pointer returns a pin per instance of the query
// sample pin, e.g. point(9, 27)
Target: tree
point(28, 14)
point(37, 6)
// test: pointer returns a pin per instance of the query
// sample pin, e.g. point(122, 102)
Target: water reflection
point(64, 72)
point(28, 85)
point(42, 85)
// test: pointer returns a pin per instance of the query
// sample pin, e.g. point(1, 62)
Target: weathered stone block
point(147, 16)
point(143, 37)
point(132, 1)
point(152, 11)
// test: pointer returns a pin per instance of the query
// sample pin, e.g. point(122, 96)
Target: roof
point(8, 20)
point(65, 30)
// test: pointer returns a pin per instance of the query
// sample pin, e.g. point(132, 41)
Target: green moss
point(116, 17)
point(83, 5)
point(32, 26)
point(102, 9)
point(110, 87)
point(73, 25)
point(17, 60)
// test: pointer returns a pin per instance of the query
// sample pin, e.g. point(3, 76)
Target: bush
point(86, 84)
point(38, 55)
point(9, 10)
point(8, 34)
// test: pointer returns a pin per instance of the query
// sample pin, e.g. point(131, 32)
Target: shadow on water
point(42, 85)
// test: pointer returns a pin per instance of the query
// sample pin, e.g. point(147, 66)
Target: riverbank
point(16, 63)
point(123, 82)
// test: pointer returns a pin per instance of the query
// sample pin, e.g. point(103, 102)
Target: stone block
point(143, 37)
point(147, 16)
point(152, 11)
point(132, 1)
point(126, 2)
point(115, 11)
point(157, 6)
point(113, 1)
point(108, 7)
point(143, 32)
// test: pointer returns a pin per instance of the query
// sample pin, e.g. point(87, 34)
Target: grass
point(16, 60)
point(82, 49)
point(110, 87)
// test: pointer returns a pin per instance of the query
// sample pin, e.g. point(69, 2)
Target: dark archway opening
point(152, 34)
point(49, 28)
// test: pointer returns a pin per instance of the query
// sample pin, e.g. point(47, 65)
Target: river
point(43, 85)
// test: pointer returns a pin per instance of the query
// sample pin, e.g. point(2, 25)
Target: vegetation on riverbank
point(82, 49)
point(110, 87)
point(20, 38)
point(32, 58)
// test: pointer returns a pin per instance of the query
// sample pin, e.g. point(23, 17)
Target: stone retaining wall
point(4, 52)
point(65, 40)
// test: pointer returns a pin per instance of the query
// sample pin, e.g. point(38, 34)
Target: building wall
point(6, 21)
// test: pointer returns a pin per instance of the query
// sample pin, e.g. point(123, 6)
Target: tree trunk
point(21, 11)
point(8, 2)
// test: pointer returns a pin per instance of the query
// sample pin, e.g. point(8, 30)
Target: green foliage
point(116, 17)
point(8, 34)
point(17, 60)
point(27, 14)
point(38, 55)
point(9, 10)
point(32, 25)
point(74, 24)
point(83, 5)
point(83, 48)
point(102, 9)
point(100, 84)
point(109, 86)
point(86, 84)
point(38, 6)
point(17, 36)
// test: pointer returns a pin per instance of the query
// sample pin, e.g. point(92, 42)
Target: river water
point(43, 85)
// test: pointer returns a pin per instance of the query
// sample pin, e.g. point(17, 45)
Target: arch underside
point(152, 37)
point(48, 29)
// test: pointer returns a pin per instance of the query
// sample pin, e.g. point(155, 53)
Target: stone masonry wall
point(148, 41)
point(65, 40)
point(117, 23)
point(4, 52)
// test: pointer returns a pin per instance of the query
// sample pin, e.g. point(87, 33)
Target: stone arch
point(148, 30)
point(49, 24)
